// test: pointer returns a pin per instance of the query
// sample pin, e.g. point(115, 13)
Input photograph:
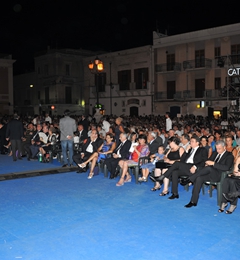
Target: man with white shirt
point(120, 153)
point(90, 147)
point(192, 160)
point(185, 141)
point(168, 121)
point(48, 118)
point(105, 125)
point(220, 160)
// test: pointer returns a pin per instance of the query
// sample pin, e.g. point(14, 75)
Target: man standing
point(168, 121)
point(84, 122)
point(67, 127)
point(14, 133)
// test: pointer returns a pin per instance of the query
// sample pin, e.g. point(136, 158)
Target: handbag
point(162, 165)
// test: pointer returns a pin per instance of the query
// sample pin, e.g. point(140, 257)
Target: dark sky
point(29, 26)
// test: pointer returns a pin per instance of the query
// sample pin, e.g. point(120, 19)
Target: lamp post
point(111, 87)
point(96, 68)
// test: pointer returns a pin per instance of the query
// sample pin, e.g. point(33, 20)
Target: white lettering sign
point(233, 71)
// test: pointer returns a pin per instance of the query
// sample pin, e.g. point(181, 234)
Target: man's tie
point(119, 147)
point(217, 158)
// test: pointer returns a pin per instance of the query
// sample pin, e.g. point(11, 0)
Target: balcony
point(168, 67)
point(234, 59)
point(197, 64)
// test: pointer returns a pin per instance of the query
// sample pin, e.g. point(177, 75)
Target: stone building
point(191, 71)
point(6, 84)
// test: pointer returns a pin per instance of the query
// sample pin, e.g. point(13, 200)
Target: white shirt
point(190, 158)
point(168, 124)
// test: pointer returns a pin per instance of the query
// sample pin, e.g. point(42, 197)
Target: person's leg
point(14, 148)
point(70, 152)
point(19, 148)
point(165, 186)
point(124, 171)
point(28, 151)
point(197, 187)
point(64, 152)
point(93, 164)
point(229, 185)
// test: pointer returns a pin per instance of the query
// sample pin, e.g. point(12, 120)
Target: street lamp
point(96, 68)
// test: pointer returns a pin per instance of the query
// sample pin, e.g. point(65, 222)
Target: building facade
point(125, 86)
point(191, 72)
point(6, 84)
point(56, 84)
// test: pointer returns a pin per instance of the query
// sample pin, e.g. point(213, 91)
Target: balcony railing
point(235, 58)
point(174, 66)
point(198, 63)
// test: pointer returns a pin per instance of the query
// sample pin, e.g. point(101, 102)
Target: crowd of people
point(188, 149)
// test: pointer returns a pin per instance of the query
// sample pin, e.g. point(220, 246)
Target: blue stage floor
point(66, 216)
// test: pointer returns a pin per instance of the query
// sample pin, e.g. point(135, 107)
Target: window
point(67, 70)
point(199, 58)
point(171, 89)
point(46, 69)
point(217, 51)
point(144, 102)
point(170, 62)
point(199, 88)
point(235, 54)
point(68, 95)
point(124, 79)
point(123, 103)
point(141, 78)
point(47, 95)
point(217, 83)
point(100, 82)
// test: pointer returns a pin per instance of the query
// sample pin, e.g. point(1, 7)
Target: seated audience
point(51, 140)
point(190, 162)
point(174, 153)
point(229, 146)
point(204, 143)
point(103, 152)
point(220, 160)
point(230, 189)
point(91, 146)
point(140, 150)
point(149, 167)
point(121, 152)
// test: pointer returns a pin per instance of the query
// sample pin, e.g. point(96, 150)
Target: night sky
point(29, 26)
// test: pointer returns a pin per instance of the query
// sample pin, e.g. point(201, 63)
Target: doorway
point(133, 111)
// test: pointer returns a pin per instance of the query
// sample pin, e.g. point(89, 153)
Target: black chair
point(218, 186)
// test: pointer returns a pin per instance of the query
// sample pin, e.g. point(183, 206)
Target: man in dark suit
point(221, 160)
point(84, 122)
point(153, 144)
point(120, 153)
point(191, 161)
point(90, 147)
point(14, 133)
point(83, 135)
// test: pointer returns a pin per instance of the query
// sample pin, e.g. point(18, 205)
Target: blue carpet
point(7, 165)
point(67, 216)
